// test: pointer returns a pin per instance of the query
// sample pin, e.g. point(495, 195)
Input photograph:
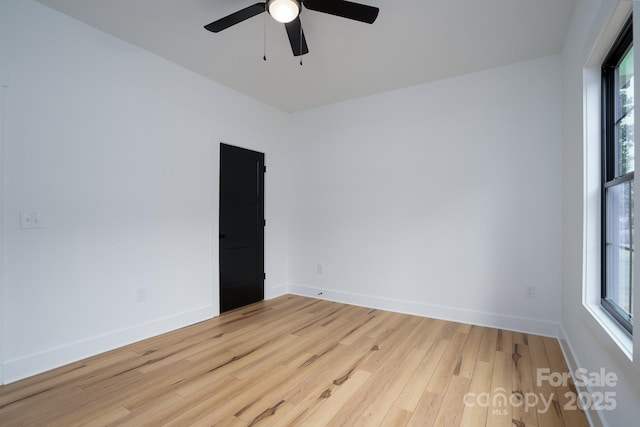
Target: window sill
point(601, 321)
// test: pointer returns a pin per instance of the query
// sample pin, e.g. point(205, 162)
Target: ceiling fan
point(288, 12)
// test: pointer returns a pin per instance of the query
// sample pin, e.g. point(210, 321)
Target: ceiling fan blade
point(235, 18)
point(345, 9)
point(296, 37)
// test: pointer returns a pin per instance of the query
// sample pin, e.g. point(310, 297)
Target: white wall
point(441, 199)
point(118, 150)
point(4, 82)
point(594, 27)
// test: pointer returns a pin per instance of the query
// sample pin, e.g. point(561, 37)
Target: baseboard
point(511, 323)
point(593, 416)
point(276, 291)
point(18, 369)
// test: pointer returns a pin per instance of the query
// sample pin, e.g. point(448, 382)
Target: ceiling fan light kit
point(288, 13)
point(283, 11)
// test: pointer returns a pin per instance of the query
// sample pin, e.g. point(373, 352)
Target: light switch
point(30, 220)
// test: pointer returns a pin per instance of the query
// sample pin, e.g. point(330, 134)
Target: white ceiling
point(412, 42)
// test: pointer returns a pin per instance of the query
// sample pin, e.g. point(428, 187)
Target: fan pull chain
point(300, 40)
point(264, 49)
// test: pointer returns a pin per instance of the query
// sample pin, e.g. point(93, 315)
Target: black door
point(241, 227)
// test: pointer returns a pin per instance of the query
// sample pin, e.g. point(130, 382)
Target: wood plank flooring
point(296, 361)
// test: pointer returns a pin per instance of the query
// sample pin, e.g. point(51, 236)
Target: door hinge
point(264, 169)
point(264, 276)
point(264, 222)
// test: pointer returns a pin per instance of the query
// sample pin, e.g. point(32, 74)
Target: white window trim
point(592, 217)
point(601, 322)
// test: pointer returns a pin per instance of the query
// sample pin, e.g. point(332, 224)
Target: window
point(617, 179)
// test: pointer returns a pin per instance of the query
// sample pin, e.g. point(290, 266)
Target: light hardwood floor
point(301, 361)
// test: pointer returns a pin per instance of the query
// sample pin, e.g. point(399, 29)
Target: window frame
point(616, 54)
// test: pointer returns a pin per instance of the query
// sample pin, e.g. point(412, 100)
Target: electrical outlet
point(141, 294)
point(319, 268)
point(530, 292)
